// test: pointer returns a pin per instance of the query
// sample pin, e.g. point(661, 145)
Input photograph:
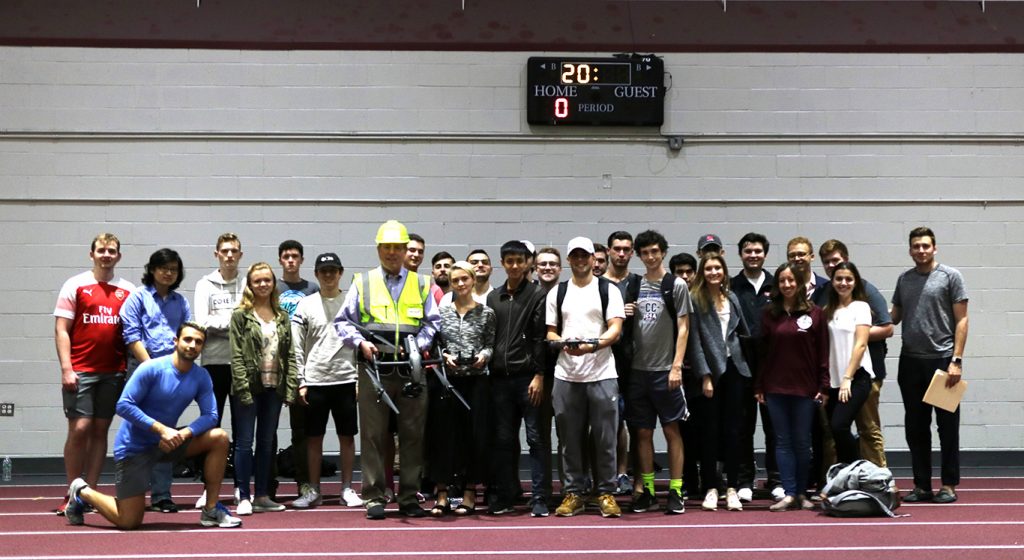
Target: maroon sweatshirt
point(797, 360)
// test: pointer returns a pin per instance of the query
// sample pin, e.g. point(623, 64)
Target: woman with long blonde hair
point(263, 376)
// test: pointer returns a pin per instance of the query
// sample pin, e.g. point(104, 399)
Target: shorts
point(649, 400)
point(96, 396)
point(132, 474)
point(338, 401)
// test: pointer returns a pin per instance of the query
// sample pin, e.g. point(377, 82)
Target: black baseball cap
point(707, 240)
point(327, 260)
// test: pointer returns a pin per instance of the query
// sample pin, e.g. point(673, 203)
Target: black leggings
point(842, 414)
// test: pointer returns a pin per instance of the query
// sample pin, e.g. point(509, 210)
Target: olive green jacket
point(246, 352)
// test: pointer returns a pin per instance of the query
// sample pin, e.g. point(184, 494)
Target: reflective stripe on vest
point(380, 313)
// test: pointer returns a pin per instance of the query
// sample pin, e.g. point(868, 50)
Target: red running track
point(986, 523)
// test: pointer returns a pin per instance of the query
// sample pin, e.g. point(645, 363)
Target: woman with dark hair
point(263, 375)
point(715, 355)
point(793, 379)
point(150, 317)
point(458, 439)
point(850, 367)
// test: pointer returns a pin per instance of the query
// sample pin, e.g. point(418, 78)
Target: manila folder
point(946, 398)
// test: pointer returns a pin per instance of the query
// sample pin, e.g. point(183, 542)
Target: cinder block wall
point(856, 147)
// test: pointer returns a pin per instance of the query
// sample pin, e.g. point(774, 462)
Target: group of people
point(454, 367)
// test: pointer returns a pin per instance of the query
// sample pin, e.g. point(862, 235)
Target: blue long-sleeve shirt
point(157, 391)
point(153, 320)
point(349, 314)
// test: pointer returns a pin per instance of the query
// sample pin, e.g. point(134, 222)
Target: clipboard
point(946, 398)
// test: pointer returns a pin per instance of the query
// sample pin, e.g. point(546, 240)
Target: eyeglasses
point(168, 269)
point(797, 255)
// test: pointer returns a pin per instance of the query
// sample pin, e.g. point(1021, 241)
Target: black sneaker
point(375, 511)
point(675, 504)
point(413, 510)
point(918, 495)
point(539, 508)
point(164, 506)
point(945, 496)
point(500, 509)
point(644, 501)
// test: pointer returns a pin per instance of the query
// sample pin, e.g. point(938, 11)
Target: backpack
point(860, 489)
point(286, 464)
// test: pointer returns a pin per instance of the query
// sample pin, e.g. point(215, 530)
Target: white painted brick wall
point(332, 194)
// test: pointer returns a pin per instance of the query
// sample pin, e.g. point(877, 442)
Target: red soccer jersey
point(97, 345)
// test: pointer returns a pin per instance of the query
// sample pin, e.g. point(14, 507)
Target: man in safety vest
point(382, 307)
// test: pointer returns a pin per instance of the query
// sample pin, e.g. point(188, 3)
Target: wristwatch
point(957, 360)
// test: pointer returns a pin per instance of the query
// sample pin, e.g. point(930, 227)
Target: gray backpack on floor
point(860, 489)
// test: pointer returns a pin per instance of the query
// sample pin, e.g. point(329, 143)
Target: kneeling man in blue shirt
point(154, 398)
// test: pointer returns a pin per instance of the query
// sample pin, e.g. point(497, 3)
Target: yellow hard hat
point(392, 231)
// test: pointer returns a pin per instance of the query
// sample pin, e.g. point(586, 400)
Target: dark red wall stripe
point(523, 25)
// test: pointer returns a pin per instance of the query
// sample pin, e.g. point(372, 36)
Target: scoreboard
point(595, 91)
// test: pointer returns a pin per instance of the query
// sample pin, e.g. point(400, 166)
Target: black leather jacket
point(519, 342)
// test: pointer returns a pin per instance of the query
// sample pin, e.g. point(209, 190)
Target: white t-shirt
point(723, 318)
point(842, 332)
point(581, 318)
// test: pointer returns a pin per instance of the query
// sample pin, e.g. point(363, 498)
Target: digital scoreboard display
point(595, 91)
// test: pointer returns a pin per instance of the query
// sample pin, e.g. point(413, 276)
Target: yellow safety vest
point(380, 313)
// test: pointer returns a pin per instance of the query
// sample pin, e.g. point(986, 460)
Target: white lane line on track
point(434, 528)
point(329, 483)
point(360, 511)
point(187, 498)
point(538, 553)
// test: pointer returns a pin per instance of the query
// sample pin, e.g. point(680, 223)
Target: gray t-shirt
point(927, 304)
point(653, 345)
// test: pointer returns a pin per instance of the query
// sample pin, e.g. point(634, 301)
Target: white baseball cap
point(580, 243)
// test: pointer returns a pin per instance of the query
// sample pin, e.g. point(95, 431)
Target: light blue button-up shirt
point(154, 320)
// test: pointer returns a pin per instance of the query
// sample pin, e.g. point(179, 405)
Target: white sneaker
point(218, 517)
point(244, 507)
point(351, 499)
point(310, 499)
point(201, 502)
point(732, 500)
point(710, 500)
point(745, 494)
point(778, 493)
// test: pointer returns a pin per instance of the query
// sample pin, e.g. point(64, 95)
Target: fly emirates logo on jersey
point(105, 314)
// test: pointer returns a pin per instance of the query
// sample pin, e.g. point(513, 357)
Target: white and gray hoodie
point(215, 300)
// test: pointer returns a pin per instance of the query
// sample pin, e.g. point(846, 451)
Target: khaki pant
point(373, 436)
point(869, 428)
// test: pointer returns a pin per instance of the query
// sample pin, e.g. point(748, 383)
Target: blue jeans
point(260, 418)
point(510, 404)
point(160, 482)
point(791, 417)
